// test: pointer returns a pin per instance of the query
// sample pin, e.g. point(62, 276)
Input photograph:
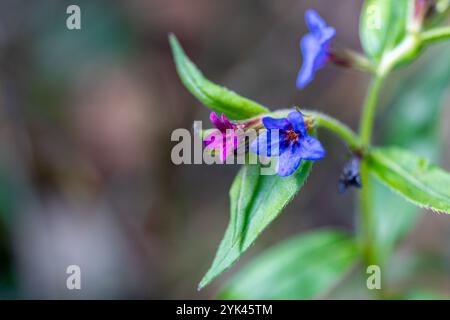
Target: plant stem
point(367, 223)
point(350, 58)
point(370, 104)
point(322, 120)
point(435, 34)
point(337, 127)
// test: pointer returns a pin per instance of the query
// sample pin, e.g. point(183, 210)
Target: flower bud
point(350, 176)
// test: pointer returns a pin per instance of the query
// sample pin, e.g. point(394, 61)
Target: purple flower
point(224, 139)
point(222, 123)
point(288, 139)
point(314, 47)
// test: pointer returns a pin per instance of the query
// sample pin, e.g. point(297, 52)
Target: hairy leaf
point(382, 25)
point(211, 95)
point(415, 178)
point(256, 200)
point(303, 267)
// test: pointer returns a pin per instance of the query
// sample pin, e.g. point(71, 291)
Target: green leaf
point(256, 200)
point(211, 95)
point(418, 100)
point(383, 25)
point(415, 178)
point(303, 267)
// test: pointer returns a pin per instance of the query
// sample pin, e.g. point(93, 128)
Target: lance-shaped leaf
point(383, 25)
point(217, 98)
point(303, 267)
point(256, 200)
point(413, 177)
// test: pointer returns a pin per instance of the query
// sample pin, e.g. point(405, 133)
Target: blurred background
point(85, 123)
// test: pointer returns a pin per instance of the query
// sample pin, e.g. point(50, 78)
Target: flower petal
point(228, 149)
point(220, 142)
point(314, 47)
point(311, 148)
point(276, 123)
point(215, 120)
point(289, 160)
point(212, 138)
point(297, 121)
point(327, 34)
point(314, 22)
point(226, 122)
point(311, 50)
point(318, 27)
point(268, 143)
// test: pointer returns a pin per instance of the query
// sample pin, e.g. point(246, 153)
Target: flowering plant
point(393, 34)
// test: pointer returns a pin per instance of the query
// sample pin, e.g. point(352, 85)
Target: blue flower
point(314, 47)
point(287, 139)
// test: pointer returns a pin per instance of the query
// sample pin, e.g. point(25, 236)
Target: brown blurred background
point(85, 124)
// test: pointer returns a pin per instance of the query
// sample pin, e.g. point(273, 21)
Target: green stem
point(337, 127)
point(353, 59)
point(435, 34)
point(322, 120)
point(370, 104)
point(367, 223)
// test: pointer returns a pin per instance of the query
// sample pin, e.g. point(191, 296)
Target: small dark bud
point(350, 175)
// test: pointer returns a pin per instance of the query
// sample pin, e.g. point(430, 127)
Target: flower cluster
point(285, 138)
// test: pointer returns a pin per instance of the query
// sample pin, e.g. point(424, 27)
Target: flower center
point(292, 135)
